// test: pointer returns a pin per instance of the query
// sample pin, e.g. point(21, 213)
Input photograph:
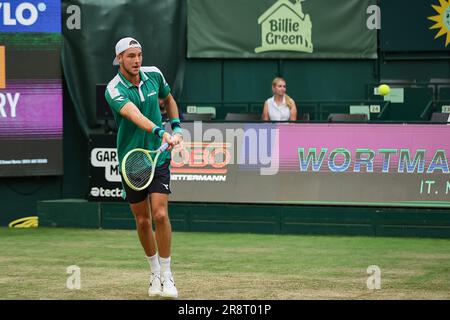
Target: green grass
point(33, 265)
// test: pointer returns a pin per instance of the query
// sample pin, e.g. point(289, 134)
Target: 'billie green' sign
point(281, 29)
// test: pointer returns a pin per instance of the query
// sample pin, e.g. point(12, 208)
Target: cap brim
point(115, 62)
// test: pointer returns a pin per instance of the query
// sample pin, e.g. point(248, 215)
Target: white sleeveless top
point(278, 112)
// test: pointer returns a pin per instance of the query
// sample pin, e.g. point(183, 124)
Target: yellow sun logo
point(442, 20)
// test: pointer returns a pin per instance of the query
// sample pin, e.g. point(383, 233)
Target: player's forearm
point(172, 108)
point(172, 111)
point(132, 113)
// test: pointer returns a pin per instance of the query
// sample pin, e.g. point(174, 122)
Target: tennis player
point(133, 97)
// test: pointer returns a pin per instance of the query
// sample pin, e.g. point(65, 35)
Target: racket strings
point(138, 168)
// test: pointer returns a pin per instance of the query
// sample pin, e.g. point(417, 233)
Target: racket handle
point(164, 147)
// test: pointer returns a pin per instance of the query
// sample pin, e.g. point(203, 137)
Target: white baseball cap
point(124, 44)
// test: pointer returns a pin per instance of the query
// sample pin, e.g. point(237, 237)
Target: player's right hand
point(167, 138)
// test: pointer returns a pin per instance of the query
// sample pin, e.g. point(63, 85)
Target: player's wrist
point(157, 131)
point(176, 126)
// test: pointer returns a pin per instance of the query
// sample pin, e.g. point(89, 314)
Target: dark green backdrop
point(87, 54)
point(406, 27)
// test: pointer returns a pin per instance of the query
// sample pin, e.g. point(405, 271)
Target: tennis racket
point(138, 167)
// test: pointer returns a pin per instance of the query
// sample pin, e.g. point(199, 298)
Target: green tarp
point(281, 29)
point(88, 52)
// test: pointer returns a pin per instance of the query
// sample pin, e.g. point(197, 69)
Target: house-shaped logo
point(284, 27)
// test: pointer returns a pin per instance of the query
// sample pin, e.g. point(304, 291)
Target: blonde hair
point(289, 101)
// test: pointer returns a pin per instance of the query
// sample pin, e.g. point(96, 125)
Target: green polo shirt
point(145, 96)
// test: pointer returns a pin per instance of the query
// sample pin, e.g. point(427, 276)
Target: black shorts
point(159, 184)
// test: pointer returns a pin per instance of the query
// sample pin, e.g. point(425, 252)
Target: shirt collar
point(128, 83)
point(143, 76)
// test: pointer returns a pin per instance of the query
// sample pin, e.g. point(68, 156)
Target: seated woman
point(280, 107)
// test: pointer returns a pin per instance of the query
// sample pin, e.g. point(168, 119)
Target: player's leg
point(163, 228)
point(159, 208)
point(142, 214)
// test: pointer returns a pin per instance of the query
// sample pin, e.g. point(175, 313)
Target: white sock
point(165, 265)
point(154, 264)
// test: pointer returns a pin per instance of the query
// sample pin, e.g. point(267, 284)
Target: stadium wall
point(236, 81)
point(268, 219)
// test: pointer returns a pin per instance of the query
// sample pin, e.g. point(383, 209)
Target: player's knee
point(159, 215)
point(143, 222)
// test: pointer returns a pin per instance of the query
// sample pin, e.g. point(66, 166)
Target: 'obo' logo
point(201, 162)
point(209, 158)
point(25, 14)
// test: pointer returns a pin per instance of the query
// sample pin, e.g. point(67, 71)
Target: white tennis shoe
point(169, 291)
point(155, 288)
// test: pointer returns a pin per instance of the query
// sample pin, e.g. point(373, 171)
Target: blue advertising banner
point(30, 16)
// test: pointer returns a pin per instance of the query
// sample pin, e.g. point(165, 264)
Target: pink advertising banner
point(326, 164)
point(297, 163)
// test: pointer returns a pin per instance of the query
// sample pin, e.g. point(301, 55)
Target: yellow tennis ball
point(384, 89)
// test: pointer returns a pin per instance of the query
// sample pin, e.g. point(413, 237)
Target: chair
point(441, 81)
point(360, 110)
point(399, 82)
point(438, 85)
point(243, 117)
point(304, 117)
point(439, 117)
point(345, 117)
point(197, 117)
